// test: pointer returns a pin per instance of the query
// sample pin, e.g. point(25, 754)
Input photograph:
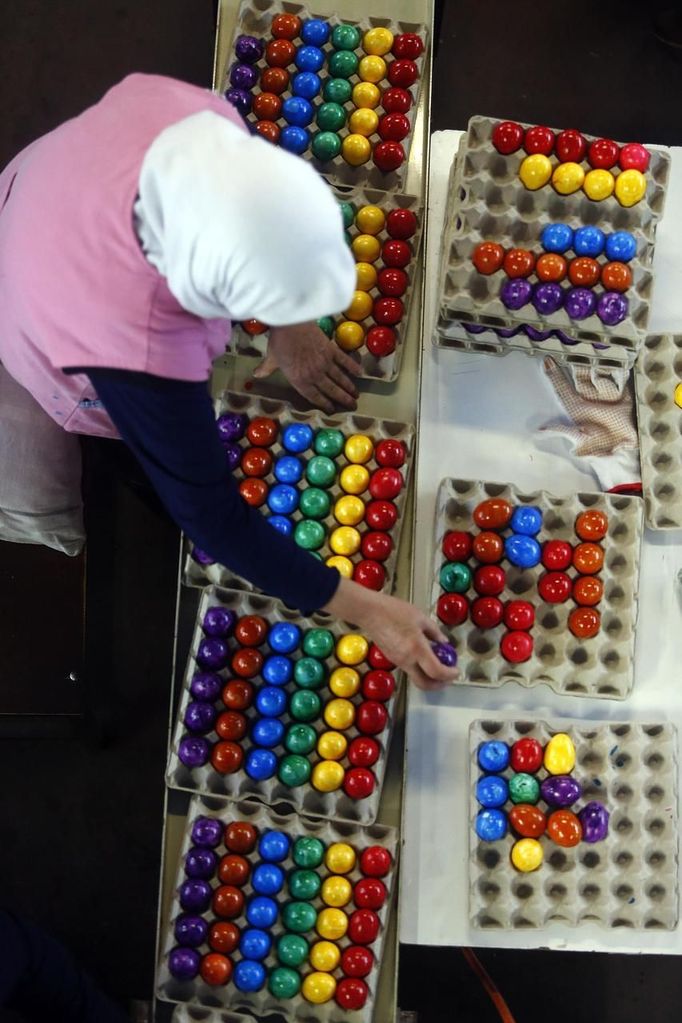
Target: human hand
point(313, 364)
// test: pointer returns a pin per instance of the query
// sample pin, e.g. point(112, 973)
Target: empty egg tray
point(262, 1003)
point(630, 879)
point(371, 367)
point(304, 799)
point(598, 667)
point(196, 574)
point(255, 18)
point(488, 202)
point(195, 1014)
point(657, 373)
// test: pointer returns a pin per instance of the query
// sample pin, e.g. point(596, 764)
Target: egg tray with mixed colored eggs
point(283, 709)
point(341, 93)
point(658, 386)
point(278, 915)
point(384, 233)
point(534, 588)
point(336, 484)
point(573, 825)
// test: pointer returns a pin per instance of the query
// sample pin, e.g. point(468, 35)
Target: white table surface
point(479, 417)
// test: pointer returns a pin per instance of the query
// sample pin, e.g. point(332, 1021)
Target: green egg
point(309, 673)
point(455, 577)
point(304, 884)
point(308, 852)
point(320, 471)
point(318, 643)
point(309, 534)
point(293, 770)
point(524, 788)
point(304, 705)
point(292, 949)
point(300, 739)
point(343, 64)
point(326, 324)
point(337, 90)
point(345, 37)
point(315, 503)
point(284, 982)
point(330, 442)
point(331, 117)
point(326, 145)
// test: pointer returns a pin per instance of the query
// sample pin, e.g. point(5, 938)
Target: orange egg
point(494, 513)
point(616, 277)
point(584, 622)
point(551, 266)
point(564, 828)
point(588, 590)
point(487, 257)
point(584, 272)
point(488, 547)
point(592, 525)
point(588, 558)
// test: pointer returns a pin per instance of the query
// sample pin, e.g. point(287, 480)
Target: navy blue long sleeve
point(170, 427)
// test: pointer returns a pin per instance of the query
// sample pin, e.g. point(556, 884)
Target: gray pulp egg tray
point(195, 1014)
point(255, 18)
point(597, 667)
point(371, 367)
point(488, 202)
point(305, 798)
point(629, 880)
point(196, 574)
point(262, 1003)
point(657, 373)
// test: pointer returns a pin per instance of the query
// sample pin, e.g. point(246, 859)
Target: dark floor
point(81, 819)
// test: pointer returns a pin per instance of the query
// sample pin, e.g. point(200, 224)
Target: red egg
point(215, 969)
point(363, 926)
point(388, 311)
point(507, 137)
point(255, 327)
point(231, 725)
point(226, 757)
point(633, 156)
point(285, 26)
point(457, 545)
point(358, 783)
point(603, 153)
point(381, 514)
point(584, 622)
point(375, 861)
point(237, 694)
point(487, 612)
point(223, 936)
point(378, 685)
point(371, 717)
point(516, 646)
point(392, 282)
point(394, 127)
point(407, 46)
point(396, 252)
point(234, 869)
point(519, 614)
point(262, 431)
point(396, 101)
point(452, 608)
point(488, 257)
point(539, 140)
point(279, 52)
point(240, 837)
point(254, 491)
point(376, 658)
point(369, 893)
point(251, 630)
point(490, 580)
point(385, 484)
point(370, 574)
point(493, 513)
point(388, 156)
point(402, 73)
point(380, 341)
point(527, 821)
point(270, 131)
point(267, 106)
point(518, 263)
point(274, 79)
point(391, 453)
point(557, 555)
point(363, 751)
point(256, 462)
point(351, 994)
point(376, 546)
point(526, 755)
point(401, 223)
point(488, 547)
point(357, 961)
point(247, 663)
point(228, 901)
point(570, 146)
point(555, 587)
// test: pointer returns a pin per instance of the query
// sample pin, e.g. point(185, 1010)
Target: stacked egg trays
point(392, 257)
point(659, 418)
point(601, 666)
point(400, 100)
point(629, 879)
point(271, 873)
point(284, 729)
point(488, 202)
point(199, 569)
point(195, 1014)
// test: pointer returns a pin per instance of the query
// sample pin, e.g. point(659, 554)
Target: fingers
point(342, 379)
point(318, 399)
point(346, 362)
point(331, 390)
point(433, 632)
point(422, 680)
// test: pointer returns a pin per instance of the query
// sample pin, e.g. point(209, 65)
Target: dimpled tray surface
point(263, 1003)
point(195, 1014)
point(628, 880)
point(196, 574)
point(372, 367)
point(597, 667)
point(255, 18)
point(657, 374)
point(304, 798)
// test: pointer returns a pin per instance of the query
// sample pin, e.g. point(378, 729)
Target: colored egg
point(294, 139)
point(394, 127)
point(381, 514)
point(376, 546)
point(396, 101)
point(260, 764)
point(599, 185)
point(304, 705)
point(371, 717)
point(256, 462)
point(560, 790)
point(315, 503)
point(526, 519)
point(354, 479)
point(281, 523)
point(377, 41)
point(267, 879)
point(396, 252)
point(370, 574)
point(344, 566)
point(292, 949)
point(215, 969)
point(366, 96)
point(526, 755)
point(492, 791)
point(588, 591)
point(551, 267)
point(568, 178)
point(227, 902)
point(557, 555)
point(592, 525)
point(332, 924)
point(378, 685)
point(340, 858)
point(249, 49)
point(584, 272)
point(522, 551)
point(588, 558)
point(274, 79)
point(455, 577)
point(356, 150)
point(621, 246)
point(325, 956)
point(223, 936)
point(363, 121)
point(332, 745)
point(487, 612)
point(304, 884)
point(519, 614)
point(388, 311)
point(343, 64)
point(239, 98)
point(349, 335)
point(488, 547)
point(557, 238)
point(243, 76)
point(261, 911)
point(535, 171)
point(298, 917)
point(539, 139)
point(527, 821)
point(284, 983)
point(457, 545)
point(407, 45)
point(494, 513)
point(327, 776)
point(359, 783)
point(227, 757)
point(308, 852)
point(359, 448)
point(630, 187)
point(603, 153)
point(388, 156)
point(594, 820)
point(524, 788)
point(366, 276)
point(345, 540)
point(555, 587)
point(580, 303)
point(452, 608)
point(349, 510)
point(564, 828)
point(337, 891)
point(616, 276)
point(518, 263)
point(363, 926)
point(240, 837)
point(589, 241)
point(363, 751)
point(366, 247)
point(493, 755)
point(267, 106)
point(280, 53)
point(331, 117)
point(360, 307)
point(345, 37)
point(401, 73)
point(357, 961)
point(318, 988)
point(369, 893)
point(249, 975)
point(677, 395)
point(339, 714)
point(253, 491)
point(446, 654)
point(507, 137)
point(547, 298)
point(570, 146)
point(488, 257)
point(612, 308)
point(300, 739)
point(320, 471)
point(309, 673)
point(559, 755)
point(634, 156)
point(294, 770)
point(584, 622)
point(285, 26)
point(527, 855)
point(491, 825)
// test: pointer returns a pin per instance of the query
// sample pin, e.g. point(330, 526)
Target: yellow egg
point(349, 335)
point(327, 776)
point(535, 171)
point(356, 149)
point(349, 510)
point(377, 41)
point(340, 858)
point(366, 247)
point(363, 122)
point(345, 540)
point(568, 178)
point(559, 754)
point(344, 682)
point(360, 306)
point(598, 184)
point(630, 187)
point(358, 448)
point(527, 855)
point(318, 988)
point(344, 566)
point(332, 924)
point(339, 714)
point(372, 69)
point(366, 276)
point(333, 745)
point(352, 649)
point(325, 956)
point(336, 891)
point(366, 94)
point(370, 219)
point(354, 479)
point(678, 395)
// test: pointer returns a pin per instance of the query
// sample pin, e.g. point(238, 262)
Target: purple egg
point(560, 790)
point(232, 426)
point(201, 557)
point(207, 831)
point(233, 455)
point(239, 98)
point(612, 308)
point(507, 332)
point(445, 653)
point(195, 895)
point(474, 328)
point(201, 863)
point(184, 963)
point(213, 653)
point(548, 298)
point(580, 303)
point(516, 293)
point(200, 717)
point(249, 49)
point(191, 930)
point(206, 687)
point(194, 751)
point(219, 621)
point(537, 335)
point(243, 76)
point(594, 818)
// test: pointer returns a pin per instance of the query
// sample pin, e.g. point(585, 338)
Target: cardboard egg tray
point(351, 423)
point(262, 1003)
point(488, 202)
point(255, 18)
point(597, 667)
point(195, 1014)
point(305, 798)
point(658, 371)
point(371, 367)
point(628, 880)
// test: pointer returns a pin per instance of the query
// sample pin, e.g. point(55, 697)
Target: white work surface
point(479, 417)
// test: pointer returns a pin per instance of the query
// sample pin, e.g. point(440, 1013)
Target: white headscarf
point(240, 228)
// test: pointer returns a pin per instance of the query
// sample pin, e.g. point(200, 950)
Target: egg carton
point(304, 799)
point(597, 667)
point(371, 367)
point(488, 202)
point(195, 1014)
point(196, 574)
point(255, 18)
point(628, 880)
point(658, 371)
point(262, 1003)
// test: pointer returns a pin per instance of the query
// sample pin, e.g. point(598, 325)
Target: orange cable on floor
point(488, 983)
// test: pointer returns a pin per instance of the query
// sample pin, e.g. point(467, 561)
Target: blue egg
point(274, 846)
point(267, 879)
point(491, 790)
point(526, 519)
point(271, 701)
point(297, 110)
point(297, 437)
point(267, 732)
point(621, 246)
point(491, 825)
point(556, 237)
point(277, 670)
point(589, 241)
point(522, 551)
point(255, 943)
point(309, 58)
point(294, 139)
point(249, 975)
point(306, 84)
point(493, 755)
point(288, 469)
point(260, 764)
point(283, 499)
point(281, 524)
point(315, 32)
point(261, 912)
point(284, 637)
